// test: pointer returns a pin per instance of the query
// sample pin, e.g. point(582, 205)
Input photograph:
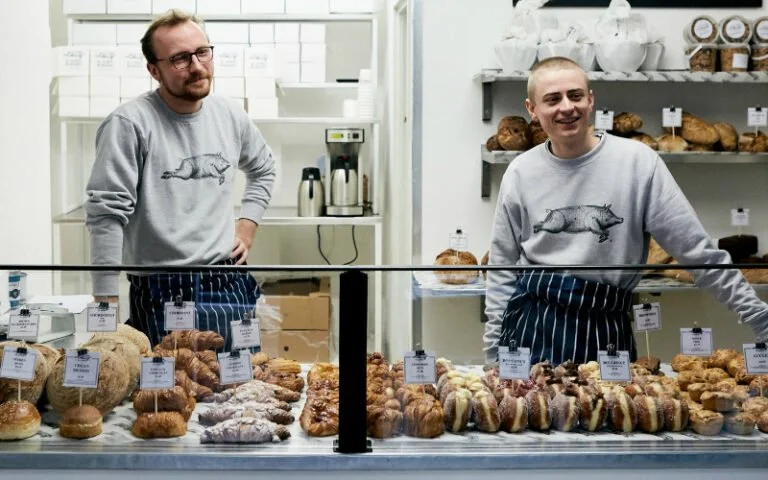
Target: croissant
point(209, 358)
point(193, 389)
point(275, 391)
point(424, 418)
point(320, 418)
point(266, 411)
point(291, 381)
point(195, 340)
point(245, 430)
point(159, 425)
point(283, 365)
point(383, 422)
point(196, 370)
point(171, 400)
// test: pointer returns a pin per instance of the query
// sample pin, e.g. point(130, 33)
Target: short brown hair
point(552, 63)
point(171, 18)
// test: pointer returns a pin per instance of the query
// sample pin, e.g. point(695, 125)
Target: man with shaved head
point(589, 198)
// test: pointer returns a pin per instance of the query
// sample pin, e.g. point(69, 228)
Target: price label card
point(699, 344)
point(23, 327)
point(246, 334)
point(647, 317)
point(614, 368)
point(458, 241)
point(672, 117)
point(757, 117)
point(739, 217)
point(756, 359)
point(235, 367)
point(18, 365)
point(179, 317)
point(514, 365)
point(604, 120)
point(102, 317)
point(81, 369)
point(420, 367)
point(157, 373)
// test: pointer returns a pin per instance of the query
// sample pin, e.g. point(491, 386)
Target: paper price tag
point(757, 117)
point(514, 365)
point(81, 369)
point(179, 316)
point(246, 335)
point(102, 317)
point(739, 217)
point(420, 367)
point(756, 359)
point(23, 326)
point(696, 343)
point(614, 368)
point(458, 241)
point(604, 120)
point(647, 317)
point(157, 373)
point(672, 117)
point(235, 367)
point(18, 365)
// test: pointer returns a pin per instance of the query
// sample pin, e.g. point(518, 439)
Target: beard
point(187, 92)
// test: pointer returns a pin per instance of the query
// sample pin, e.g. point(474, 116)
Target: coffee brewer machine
point(344, 195)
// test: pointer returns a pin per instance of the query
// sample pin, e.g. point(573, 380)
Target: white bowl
point(581, 53)
point(621, 56)
point(653, 57)
point(515, 56)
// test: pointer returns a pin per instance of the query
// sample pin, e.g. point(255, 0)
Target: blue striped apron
point(220, 297)
point(563, 318)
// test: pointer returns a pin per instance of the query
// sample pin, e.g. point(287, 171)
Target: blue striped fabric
point(220, 298)
point(561, 318)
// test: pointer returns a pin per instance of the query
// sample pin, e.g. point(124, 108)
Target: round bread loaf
point(30, 391)
point(454, 257)
point(18, 420)
point(729, 138)
point(492, 144)
point(49, 353)
point(646, 139)
point(80, 421)
point(668, 143)
point(626, 123)
point(113, 385)
point(136, 337)
point(513, 133)
point(538, 135)
point(127, 350)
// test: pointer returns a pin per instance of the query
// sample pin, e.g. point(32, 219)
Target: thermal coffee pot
point(311, 193)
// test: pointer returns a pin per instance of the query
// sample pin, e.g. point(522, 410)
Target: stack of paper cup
point(366, 103)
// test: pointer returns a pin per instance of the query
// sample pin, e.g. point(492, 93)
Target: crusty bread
point(492, 144)
point(751, 142)
point(696, 130)
point(668, 143)
point(18, 420)
point(513, 133)
point(453, 257)
point(729, 137)
point(626, 123)
point(30, 391)
point(80, 421)
point(136, 337)
point(127, 350)
point(646, 139)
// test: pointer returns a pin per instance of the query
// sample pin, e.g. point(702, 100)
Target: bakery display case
point(240, 398)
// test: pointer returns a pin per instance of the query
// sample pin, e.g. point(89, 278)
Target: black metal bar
point(487, 101)
point(485, 181)
point(353, 336)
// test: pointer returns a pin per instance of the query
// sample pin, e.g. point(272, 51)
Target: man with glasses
point(160, 191)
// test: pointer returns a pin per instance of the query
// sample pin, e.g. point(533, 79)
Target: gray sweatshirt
point(601, 209)
point(160, 191)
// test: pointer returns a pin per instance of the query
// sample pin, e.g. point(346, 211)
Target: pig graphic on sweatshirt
point(582, 218)
point(200, 166)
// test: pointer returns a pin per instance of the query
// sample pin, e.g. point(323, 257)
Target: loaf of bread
point(751, 142)
point(697, 130)
point(49, 354)
point(136, 337)
point(729, 137)
point(492, 144)
point(453, 257)
point(126, 349)
point(673, 144)
point(538, 135)
point(513, 133)
point(646, 139)
point(626, 123)
point(18, 420)
point(30, 391)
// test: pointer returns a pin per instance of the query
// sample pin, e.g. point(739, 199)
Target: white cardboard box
point(352, 6)
point(161, 6)
point(286, 33)
point(131, 33)
point(312, 72)
point(71, 61)
point(72, 87)
point(263, 107)
point(218, 7)
point(263, 87)
point(94, 34)
point(73, 106)
point(102, 106)
point(129, 6)
point(69, 7)
point(288, 52)
point(289, 72)
point(229, 86)
point(229, 61)
point(227, 32)
point(105, 62)
point(260, 61)
point(313, 33)
point(105, 87)
point(307, 6)
point(261, 33)
point(313, 52)
point(262, 6)
point(132, 63)
point(131, 87)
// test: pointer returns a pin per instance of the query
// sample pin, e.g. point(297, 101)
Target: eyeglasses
point(180, 61)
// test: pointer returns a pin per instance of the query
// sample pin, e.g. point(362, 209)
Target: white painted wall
point(458, 40)
point(25, 202)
